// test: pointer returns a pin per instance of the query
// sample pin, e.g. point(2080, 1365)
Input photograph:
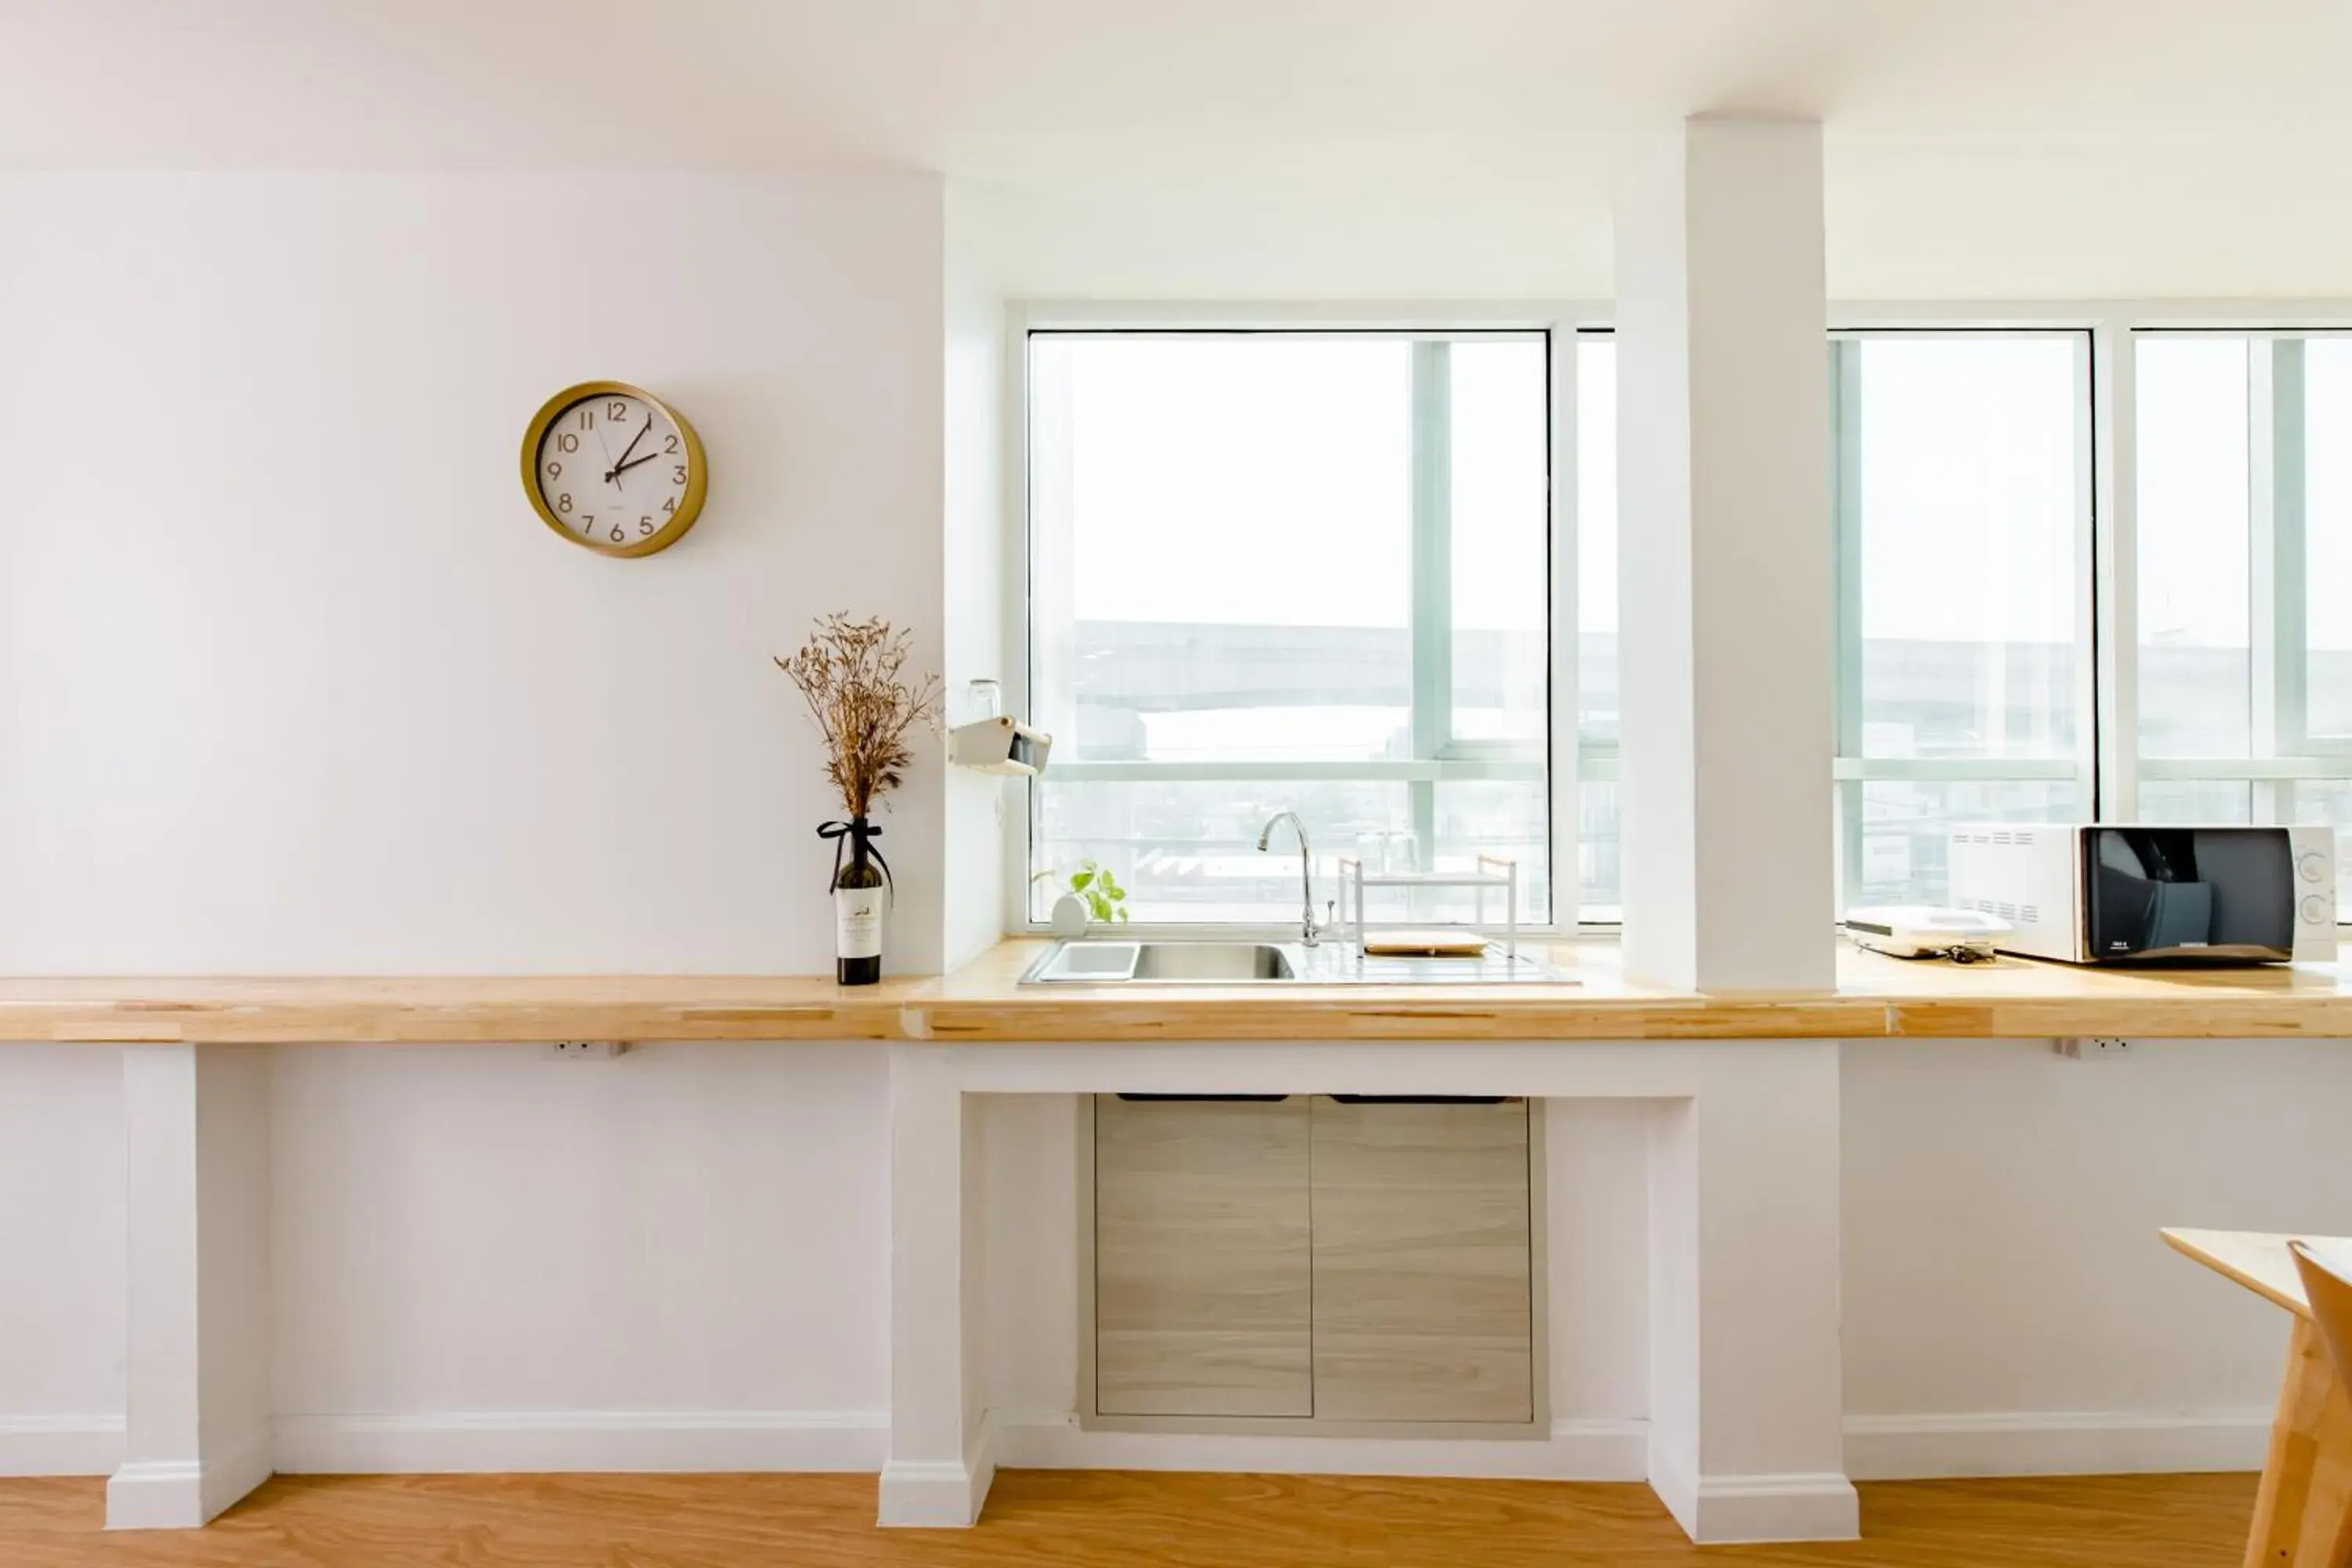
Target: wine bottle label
point(858, 923)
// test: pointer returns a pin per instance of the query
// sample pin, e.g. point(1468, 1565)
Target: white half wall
point(294, 678)
point(687, 1229)
point(487, 1258)
point(2008, 1303)
point(62, 1287)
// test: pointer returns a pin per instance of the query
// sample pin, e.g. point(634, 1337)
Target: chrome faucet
point(1308, 930)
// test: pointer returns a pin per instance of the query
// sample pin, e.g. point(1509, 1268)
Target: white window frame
point(1451, 759)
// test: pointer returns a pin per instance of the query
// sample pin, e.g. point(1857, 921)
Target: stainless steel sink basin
point(1161, 963)
point(1220, 961)
point(1211, 962)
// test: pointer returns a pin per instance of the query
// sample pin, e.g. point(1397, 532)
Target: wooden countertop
point(1876, 998)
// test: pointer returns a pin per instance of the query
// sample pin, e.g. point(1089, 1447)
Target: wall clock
point(612, 468)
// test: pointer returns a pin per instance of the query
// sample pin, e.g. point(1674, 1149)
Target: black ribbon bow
point(865, 833)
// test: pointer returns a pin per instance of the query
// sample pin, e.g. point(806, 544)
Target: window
point(1315, 571)
point(1959, 494)
point(1306, 571)
point(2243, 444)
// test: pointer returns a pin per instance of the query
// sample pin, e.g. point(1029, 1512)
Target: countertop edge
point(981, 1004)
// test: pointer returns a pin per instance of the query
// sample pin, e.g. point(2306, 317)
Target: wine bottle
point(858, 900)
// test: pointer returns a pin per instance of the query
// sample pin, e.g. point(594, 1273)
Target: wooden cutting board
point(1424, 944)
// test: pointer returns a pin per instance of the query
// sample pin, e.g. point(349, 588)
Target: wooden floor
point(1080, 1518)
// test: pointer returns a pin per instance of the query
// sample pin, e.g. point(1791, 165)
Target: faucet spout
point(1308, 930)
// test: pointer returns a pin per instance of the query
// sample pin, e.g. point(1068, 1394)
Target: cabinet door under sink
point(1423, 1299)
point(1202, 1258)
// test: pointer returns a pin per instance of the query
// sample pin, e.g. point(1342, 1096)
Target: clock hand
point(607, 447)
point(623, 466)
point(640, 462)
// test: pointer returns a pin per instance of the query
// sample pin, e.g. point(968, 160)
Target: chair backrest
point(2327, 1286)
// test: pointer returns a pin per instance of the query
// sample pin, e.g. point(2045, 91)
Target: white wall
point(973, 580)
point(61, 1285)
point(294, 678)
point(2001, 1204)
point(291, 678)
point(688, 1228)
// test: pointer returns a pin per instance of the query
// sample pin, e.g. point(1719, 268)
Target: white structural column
point(196, 1126)
point(1724, 561)
point(1746, 1407)
point(940, 1468)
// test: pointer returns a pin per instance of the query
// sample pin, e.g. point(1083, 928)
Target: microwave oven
point(2099, 893)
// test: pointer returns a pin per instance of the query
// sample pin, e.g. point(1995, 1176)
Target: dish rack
point(1495, 873)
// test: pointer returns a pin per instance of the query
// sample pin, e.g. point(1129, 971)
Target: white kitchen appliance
point(1924, 931)
point(2105, 893)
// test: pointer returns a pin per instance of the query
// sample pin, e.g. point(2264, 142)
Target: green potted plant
point(1091, 896)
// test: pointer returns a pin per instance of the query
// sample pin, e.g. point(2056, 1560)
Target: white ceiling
point(1347, 147)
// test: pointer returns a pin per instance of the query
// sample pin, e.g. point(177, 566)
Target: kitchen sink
point(1211, 962)
point(1162, 963)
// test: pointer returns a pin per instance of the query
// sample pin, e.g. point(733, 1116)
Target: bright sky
point(1267, 479)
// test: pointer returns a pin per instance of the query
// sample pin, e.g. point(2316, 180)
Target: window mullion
point(1845, 510)
point(2110, 657)
point(1433, 578)
point(2275, 409)
point(1562, 633)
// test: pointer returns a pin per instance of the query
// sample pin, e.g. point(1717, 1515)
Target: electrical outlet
point(598, 1050)
point(2081, 1046)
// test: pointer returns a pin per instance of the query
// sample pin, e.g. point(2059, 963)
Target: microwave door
point(2190, 894)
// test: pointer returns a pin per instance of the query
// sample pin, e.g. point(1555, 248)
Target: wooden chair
point(2327, 1286)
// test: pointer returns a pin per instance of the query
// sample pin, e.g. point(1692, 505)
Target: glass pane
point(2187, 802)
point(1907, 826)
point(1507, 818)
point(1501, 539)
point(1189, 851)
point(1970, 472)
point(2195, 696)
point(2330, 801)
point(2328, 534)
point(1596, 539)
point(1600, 888)
point(1222, 572)
point(1220, 555)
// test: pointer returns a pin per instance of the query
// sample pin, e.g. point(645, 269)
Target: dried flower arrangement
point(854, 675)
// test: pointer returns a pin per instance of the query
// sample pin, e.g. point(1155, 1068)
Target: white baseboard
point(1719, 1510)
point(182, 1494)
point(2053, 1443)
point(1577, 1450)
point(940, 1494)
point(60, 1445)
point(1820, 1506)
point(609, 1440)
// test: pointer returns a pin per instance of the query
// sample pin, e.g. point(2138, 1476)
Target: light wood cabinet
point(1202, 1289)
point(1422, 1286)
point(1314, 1261)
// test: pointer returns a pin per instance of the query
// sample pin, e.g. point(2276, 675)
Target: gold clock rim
point(690, 506)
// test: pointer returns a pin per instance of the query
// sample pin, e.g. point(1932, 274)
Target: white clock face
point(614, 470)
